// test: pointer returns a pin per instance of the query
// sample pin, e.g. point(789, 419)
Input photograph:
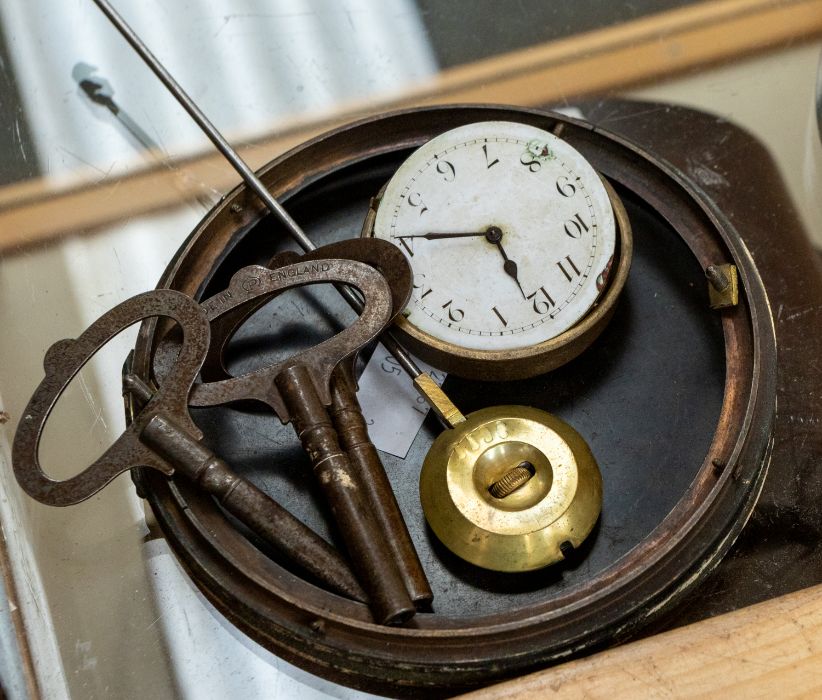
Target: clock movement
point(514, 239)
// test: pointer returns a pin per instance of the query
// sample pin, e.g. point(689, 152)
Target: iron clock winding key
point(163, 436)
point(519, 249)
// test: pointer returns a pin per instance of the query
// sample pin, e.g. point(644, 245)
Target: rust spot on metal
point(344, 478)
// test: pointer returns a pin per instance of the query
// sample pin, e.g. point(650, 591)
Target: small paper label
point(390, 404)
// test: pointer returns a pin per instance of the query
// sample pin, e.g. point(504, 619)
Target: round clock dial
point(510, 233)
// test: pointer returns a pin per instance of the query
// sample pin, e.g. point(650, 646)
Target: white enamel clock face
point(508, 229)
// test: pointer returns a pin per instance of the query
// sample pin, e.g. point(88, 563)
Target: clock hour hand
point(494, 235)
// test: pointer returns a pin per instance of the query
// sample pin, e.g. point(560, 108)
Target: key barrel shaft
point(371, 477)
point(251, 506)
point(367, 548)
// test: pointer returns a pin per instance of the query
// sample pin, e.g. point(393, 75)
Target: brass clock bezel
point(530, 361)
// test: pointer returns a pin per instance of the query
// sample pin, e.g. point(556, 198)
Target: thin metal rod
point(203, 122)
point(400, 354)
point(246, 173)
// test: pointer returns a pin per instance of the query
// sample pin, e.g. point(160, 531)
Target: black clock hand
point(436, 236)
point(494, 235)
point(510, 269)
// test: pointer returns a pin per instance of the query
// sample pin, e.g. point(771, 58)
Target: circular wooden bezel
point(441, 653)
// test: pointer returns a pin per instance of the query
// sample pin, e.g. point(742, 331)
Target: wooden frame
point(604, 60)
point(773, 649)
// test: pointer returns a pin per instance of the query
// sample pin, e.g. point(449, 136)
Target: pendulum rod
point(436, 398)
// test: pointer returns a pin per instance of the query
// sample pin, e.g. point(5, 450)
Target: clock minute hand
point(436, 236)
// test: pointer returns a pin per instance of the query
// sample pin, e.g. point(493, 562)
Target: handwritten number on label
point(390, 365)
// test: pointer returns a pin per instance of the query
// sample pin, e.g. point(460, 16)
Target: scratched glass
point(103, 175)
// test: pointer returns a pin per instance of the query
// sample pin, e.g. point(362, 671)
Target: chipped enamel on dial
point(509, 231)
